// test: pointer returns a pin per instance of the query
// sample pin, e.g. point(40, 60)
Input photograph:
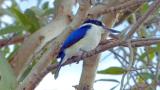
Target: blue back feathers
point(74, 37)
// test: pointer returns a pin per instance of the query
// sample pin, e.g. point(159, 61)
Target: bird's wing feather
point(75, 36)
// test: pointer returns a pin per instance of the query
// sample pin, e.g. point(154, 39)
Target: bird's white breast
point(89, 42)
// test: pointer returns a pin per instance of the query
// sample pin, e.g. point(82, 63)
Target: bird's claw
point(84, 51)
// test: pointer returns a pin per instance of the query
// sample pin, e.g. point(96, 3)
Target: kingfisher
point(83, 39)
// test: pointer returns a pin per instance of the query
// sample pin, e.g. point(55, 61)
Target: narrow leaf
point(26, 20)
point(11, 29)
point(7, 78)
point(32, 18)
point(111, 80)
point(45, 5)
point(113, 71)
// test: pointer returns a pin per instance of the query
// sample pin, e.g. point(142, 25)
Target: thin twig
point(122, 82)
point(119, 56)
point(157, 70)
point(134, 80)
point(131, 61)
point(12, 40)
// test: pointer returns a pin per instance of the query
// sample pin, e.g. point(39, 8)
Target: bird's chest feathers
point(88, 42)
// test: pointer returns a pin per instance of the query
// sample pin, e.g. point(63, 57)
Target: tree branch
point(103, 9)
point(13, 40)
point(114, 43)
point(36, 41)
point(142, 19)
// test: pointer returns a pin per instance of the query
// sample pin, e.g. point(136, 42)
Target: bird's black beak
point(111, 30)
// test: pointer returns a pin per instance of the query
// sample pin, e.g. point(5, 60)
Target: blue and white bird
point(85, 38)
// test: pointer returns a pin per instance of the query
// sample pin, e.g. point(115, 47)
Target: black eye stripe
point(93, 21)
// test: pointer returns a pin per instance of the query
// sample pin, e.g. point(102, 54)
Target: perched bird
point(85, 38)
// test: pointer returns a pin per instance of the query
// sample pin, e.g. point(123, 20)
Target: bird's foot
point(77, 62)
point(83, 51)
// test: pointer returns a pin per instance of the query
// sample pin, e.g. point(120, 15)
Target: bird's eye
point(99, 23)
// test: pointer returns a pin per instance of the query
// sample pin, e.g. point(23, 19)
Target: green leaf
point(146, 75)
point(151, 53)
point(111, 80)
point(29, 21)
point(26, 72)
point(113, 71)
point(39, 12)
point(48, 11)
point(7, 78)
point(15, 4)
point(11, 55)
point(5, 50)
point(158, 47)
point(142, 77)
point(32, 19)
point(45, 5)
point(20, 17)
point(11, 29)
point(144, 7)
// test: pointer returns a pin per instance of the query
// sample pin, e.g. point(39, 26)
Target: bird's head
point(100, 24)
point(94, 21)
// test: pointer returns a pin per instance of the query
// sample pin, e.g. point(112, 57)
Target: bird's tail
point(61, 55)
point(57, 70)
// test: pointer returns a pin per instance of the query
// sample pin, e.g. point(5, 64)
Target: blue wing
point(74, 37)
